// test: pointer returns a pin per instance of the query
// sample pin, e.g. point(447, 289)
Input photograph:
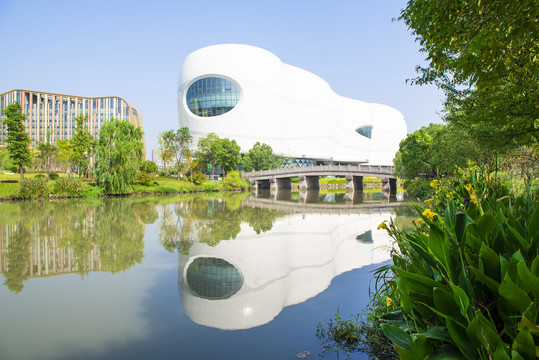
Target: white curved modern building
point(248, 94)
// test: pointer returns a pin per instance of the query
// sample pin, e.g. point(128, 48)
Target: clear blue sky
point(134, 49)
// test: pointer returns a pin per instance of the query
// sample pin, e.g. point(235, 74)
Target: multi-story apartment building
point(50, 117)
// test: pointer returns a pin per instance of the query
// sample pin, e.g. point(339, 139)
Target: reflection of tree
point(72, 235)
point(261, 220)
point(210, 221)
point(17, 257)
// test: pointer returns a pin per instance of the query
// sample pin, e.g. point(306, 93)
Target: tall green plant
point(467, 278)
point(118, 157)
point(18, 141)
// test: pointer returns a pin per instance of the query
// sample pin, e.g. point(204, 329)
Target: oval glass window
point(213, 278)
point(212, 96)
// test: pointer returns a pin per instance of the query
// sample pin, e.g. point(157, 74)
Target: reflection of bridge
point(308, 176)
point(309, 202)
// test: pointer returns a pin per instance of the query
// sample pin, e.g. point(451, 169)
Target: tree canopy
point(82, 144)
point(18, 141)
point(259, 157)
point(118, 156)
point(206, 150)
point(227, 154)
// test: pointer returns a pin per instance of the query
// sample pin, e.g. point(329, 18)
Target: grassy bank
point(38, 185)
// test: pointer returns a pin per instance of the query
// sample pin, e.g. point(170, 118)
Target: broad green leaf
point(439, 246)
point(484, 332)
point(527, 278)
point(405, 298)
point(533, 225)
point(524, 245)
point(491, 262)
point(487, 227)
point(438, 333)
point(461, 223)
point(501, 353)
point(461, 299)
point(525, 323)
point(492, 284)
point(446, 352)
point(424, 255)
point(397, 336)
point(513, 294)
point(420, 349)
point(458, 334)
point(535, 266)
point(418, 283)
point(524, 345)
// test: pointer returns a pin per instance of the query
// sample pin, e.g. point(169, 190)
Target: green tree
point(46, 155)
point(476, 42)
point(259, 157)
point(437, 149)
point(206, 149)
point(166, 148)
point(483, 54)
point(227, 154)
point(65, 154)
point(149, 166)
point(183, 140)
point(18, 141)
point(118, 156)
point(82, 144)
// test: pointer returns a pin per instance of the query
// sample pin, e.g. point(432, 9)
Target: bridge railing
point(323, 168)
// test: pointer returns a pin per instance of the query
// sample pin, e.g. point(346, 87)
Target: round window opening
point(212, 96)
point(213, 278)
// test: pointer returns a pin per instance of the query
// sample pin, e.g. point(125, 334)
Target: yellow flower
point(469, 188)
point(383, 226)
point(418, 222)
point(428, 201)
point(433, 183)
point(430, 214)
point(448, 196)
point(389, 302)
point(473, 198)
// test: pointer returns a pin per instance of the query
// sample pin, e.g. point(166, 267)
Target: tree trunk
point(22, 172)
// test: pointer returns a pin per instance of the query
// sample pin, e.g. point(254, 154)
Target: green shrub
point(418, 188)
point(211, 186)
point(14, 169)
point(32, 188)
point(69, 187)
point(40, 176)
point(466, 280)
point(53, 176)
point(144, 178)
point(149, 167)
point(199, 178)
point(233, 180)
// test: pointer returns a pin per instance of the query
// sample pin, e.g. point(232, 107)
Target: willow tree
point(118, 156)
point(18, 141)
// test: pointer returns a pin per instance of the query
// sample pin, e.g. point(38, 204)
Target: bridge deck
point(322, 170)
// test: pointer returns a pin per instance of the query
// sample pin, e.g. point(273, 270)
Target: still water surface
point(235, 276)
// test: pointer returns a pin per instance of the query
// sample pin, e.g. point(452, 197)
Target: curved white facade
point(292, 110)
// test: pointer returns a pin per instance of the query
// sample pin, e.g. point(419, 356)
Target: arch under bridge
point(280, 179)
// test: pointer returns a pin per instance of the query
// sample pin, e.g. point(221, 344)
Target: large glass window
point(212, 96)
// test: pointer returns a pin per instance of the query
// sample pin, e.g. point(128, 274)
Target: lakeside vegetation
point(464, 282)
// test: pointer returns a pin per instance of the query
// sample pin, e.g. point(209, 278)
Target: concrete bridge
point(279, 179)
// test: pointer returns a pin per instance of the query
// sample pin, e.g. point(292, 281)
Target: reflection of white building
point(246, 282)
point(248, 94)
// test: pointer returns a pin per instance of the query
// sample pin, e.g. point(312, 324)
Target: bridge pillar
point(354, 183)
point(262, 184)
point(280, 184)
point(309, 197)
point(389, 184)
point(308, 183)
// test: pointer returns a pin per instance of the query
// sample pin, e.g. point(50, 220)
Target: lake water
point(236, 276)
